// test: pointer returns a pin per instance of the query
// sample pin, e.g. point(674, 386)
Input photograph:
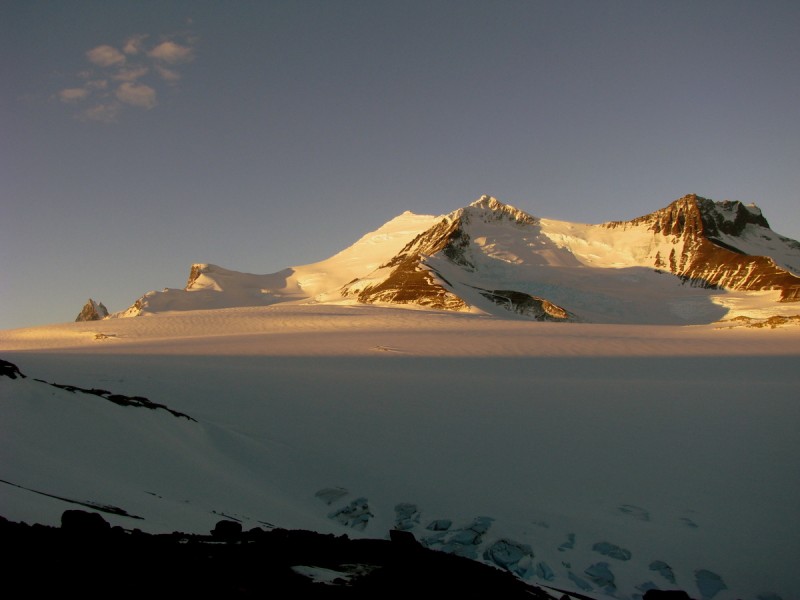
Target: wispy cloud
point(166, 74)
point(135, 43)
point(130, 73)
point(105, 56)
point(172, 53)
point(73, 94)
point(136, 94)
point(105, 113)
point(97, 84)
point(127, 77)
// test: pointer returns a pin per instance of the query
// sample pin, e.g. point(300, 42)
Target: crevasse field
point(593, 451)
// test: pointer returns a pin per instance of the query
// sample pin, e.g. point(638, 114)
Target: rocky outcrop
point(407, 279)
point(92, 311)
point(409, 283)
point(703, 236)
point(10, 370)
point(526, 305)
point(89, 557)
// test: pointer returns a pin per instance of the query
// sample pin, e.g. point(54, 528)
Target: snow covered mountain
point(210, 286)
point(607, 457)
point(725, 244)
point(689, 262)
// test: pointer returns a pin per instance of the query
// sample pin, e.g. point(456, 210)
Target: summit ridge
point(680, 263)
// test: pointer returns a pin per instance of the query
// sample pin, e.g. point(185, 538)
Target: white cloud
point(136, 94)
point(105, 56)
point(73, 94)
point(127, 76)
point(171, 53)
point(130, 73)
point(169, 75)
point(133, 45)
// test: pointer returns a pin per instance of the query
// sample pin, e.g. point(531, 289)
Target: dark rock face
point(194, 273)
point(666, 595)
point(10, 370)
point(89, 557)
point(702, 259)
point(119, 399)
point(409, 281)
point(527, 305)
point(92, 311)
point(715, 223)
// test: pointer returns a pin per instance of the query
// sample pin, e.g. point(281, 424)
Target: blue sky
point(140, 137)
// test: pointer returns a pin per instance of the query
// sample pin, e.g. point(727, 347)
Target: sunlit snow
point(675, 444)
point(651, 443)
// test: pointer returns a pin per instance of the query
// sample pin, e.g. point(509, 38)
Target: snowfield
point(649, 442)
point(599, 458)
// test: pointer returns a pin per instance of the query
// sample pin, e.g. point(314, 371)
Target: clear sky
point(137, 138)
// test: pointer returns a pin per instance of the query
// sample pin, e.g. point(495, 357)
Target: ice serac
point(721, 245)
point(443, 267)
point(92, 311)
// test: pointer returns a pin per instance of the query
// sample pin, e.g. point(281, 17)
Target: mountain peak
point(729, 216)
point(493, 258)
point(488, 208)
point(487, 201)
point(92, 311)
point(195, 272)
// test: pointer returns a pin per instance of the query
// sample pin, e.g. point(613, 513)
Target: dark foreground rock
point(88, 557)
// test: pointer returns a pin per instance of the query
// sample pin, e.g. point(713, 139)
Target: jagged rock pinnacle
point(92, 311)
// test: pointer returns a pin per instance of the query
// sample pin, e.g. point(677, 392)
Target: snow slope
point(566, 451)
point(663, 268)
point(683, 264)
point(213, 287)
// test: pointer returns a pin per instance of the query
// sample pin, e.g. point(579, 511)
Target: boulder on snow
point(226, 529)
point(83, 523)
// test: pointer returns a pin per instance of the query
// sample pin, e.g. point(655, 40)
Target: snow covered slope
point(493, 258)
point(686, 263)
point(211, 287)
point(610, 457)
